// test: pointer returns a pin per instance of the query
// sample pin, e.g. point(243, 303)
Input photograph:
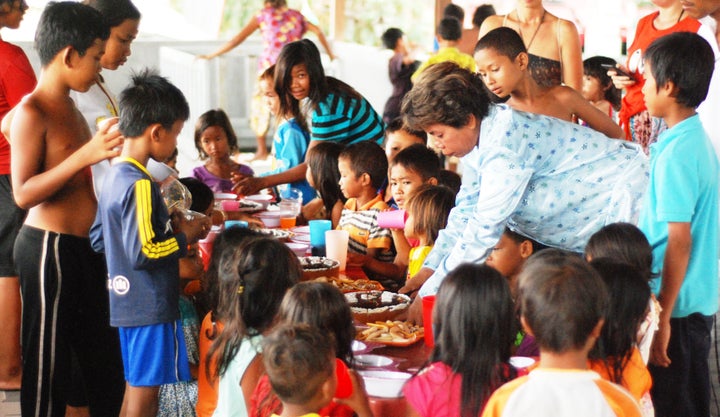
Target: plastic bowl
point(301, 230)
point(263, 199)
point(299, 249)
point(521, 362)
point(384, 384)
point(272, 218)
point(372, 361)
point(358, 346)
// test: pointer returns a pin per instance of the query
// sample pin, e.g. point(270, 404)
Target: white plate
point(225, 196)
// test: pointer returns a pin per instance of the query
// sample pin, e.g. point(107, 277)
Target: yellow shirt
point(416, 257)
point(448, 53)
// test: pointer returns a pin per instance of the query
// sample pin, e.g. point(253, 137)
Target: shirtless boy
point(62, 281)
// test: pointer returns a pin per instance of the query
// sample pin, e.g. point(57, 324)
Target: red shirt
point(17, 79)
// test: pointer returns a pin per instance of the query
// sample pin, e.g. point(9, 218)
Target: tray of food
point(392, 333)
point(346, 285)
point(373, 306)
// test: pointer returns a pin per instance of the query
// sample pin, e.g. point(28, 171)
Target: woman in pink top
point(474, 326)
point(278, 25)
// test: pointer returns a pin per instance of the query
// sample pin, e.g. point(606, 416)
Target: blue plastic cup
point(317, 235)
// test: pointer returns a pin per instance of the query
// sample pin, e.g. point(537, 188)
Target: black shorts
point(11, 219)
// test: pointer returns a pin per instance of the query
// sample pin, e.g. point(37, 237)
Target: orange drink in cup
point(287, 222)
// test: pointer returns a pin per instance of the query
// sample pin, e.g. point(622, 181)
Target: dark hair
point(449, 29)
point(420, 159)
point(474, 326)
point(454, 11)
point(397, 124)
point(481, 13)
point(367, 157)
point(276, 3)
point(518, 238)
point(10, 6)
point(323, 306)
point(217, 118)
point(65, 24)
point(593, 67)
point(252, 280)
point(150, 99)
point(629, 294)
point(391, 37)
point(322, 161)
point(686, 60)
point(445, 94)
point(305, 52)
point(450, 179)
point(430, 206)
point(298, 361)
point(115, 12)
point(202, 195)
point(562, 299)
point(229, 240)
point(623, 242)
point(504, 41)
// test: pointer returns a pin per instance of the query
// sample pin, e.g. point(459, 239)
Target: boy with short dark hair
point(562, 303)
point(142, 244)
point(680, 219)
point(64, 309)
point(400, 67)
point(363, 171)
point(398, 137)
point(300, 363)
point(412, 167)
point(449, 31)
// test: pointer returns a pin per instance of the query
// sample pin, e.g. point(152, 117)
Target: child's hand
point(244, 185)
point(107, 142)
point(620, 77)
point(194, 229)
point(358, 400)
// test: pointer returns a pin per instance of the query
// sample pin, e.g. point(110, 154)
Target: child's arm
point(392, 270)
point(358, 400)
point(32, 182)
point(402, 247)
point(321, 37)
point(677, 257)
point(251, 185)
point(250, 379)
point(583, 109)
point(248, 30)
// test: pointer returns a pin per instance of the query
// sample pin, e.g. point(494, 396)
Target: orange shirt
point(635, 376)
point(207, 390)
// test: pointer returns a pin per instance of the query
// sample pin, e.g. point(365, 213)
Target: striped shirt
point(346, 120)
point(361, 224)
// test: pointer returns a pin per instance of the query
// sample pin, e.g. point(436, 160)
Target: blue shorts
point(154, 355)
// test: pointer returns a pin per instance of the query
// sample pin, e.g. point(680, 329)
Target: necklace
point(537, 29)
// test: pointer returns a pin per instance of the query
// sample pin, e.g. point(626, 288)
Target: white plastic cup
point(336, 246)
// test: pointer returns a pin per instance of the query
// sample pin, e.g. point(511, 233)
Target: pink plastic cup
point(392, 219)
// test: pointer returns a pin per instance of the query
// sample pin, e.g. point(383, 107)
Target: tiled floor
point(9, 403)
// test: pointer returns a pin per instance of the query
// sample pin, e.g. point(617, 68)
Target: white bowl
point(301, 230)
point(521, 362)
point(272, 218)
point(372, 361)
point(384, 384)
point(263, 199)
point(358, 346)
point(299, 249)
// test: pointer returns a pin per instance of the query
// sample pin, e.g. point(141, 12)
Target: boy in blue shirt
point(142, 244)
point(680, 220)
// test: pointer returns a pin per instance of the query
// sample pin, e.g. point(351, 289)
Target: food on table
point(351, 285)
point(371, 306)
point(397, 332)
point(319, 266)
